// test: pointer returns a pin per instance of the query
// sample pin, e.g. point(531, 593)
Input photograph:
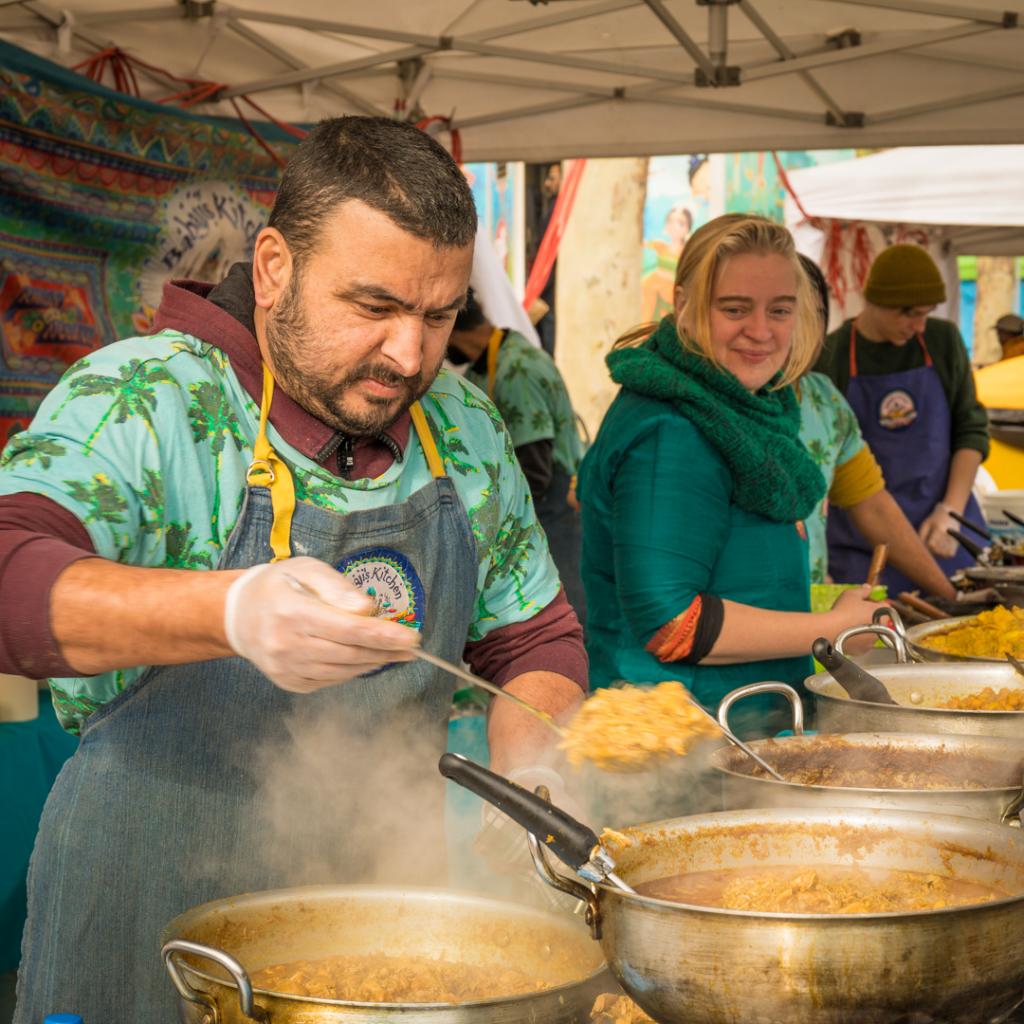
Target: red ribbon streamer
point(547, 252)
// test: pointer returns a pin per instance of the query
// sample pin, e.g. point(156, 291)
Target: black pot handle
point(974, 550)
point(860, 685)
point(570, 840)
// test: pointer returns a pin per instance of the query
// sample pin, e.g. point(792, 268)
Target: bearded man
point(205, 531)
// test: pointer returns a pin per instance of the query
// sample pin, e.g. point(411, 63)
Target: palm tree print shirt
point(147, 441)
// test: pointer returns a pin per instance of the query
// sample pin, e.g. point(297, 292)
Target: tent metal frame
point(702, 80)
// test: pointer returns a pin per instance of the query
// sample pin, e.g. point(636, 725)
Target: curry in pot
point(856, 766)
point(1005, 699)
point(990, 634)
point(405, 979)
point(819, 889)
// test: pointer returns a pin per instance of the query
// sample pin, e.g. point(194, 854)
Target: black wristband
point(712, 614)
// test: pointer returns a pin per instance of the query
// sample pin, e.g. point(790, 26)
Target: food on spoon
point(395, 979)
point(820, 889)
point(991, 634)
point(627, 728)
point(988, 699)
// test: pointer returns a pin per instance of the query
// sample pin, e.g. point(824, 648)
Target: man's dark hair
point(391, 166)
point(471, 316)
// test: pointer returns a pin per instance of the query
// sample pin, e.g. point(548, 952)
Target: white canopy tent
point(952, 199)
point(547, 79)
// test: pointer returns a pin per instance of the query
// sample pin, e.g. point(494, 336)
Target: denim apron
point(205, 780)
point(906, 422)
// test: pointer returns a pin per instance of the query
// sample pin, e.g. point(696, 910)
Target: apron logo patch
point(388, 577)
point(897, 410)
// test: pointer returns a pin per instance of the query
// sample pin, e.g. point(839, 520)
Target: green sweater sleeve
point(670, 519)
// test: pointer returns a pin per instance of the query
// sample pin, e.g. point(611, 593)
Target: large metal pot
point(910, 646)
point(696, 965)
point(211, 950)
point(991, 770)
point(917, 689)
point(687, 964)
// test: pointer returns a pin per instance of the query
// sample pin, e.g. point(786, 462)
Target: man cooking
point(907, 377)
point(206, 530)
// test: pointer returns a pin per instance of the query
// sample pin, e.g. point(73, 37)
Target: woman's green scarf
point(756, 434)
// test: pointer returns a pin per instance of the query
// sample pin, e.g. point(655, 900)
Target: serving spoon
point(543, 716)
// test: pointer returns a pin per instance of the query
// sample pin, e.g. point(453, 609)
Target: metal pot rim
point(803, 815)
point(815, 684)
point(421, 892)
point(894, 739)
point(914, 635)
point(834, 919)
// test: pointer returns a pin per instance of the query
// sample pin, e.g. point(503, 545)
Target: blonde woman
point(694, 492)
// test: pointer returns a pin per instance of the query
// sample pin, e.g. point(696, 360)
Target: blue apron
point(192, 785)
point(906, 422)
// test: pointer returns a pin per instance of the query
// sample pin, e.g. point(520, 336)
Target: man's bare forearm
point(880, 520)
point(515, 737)
point(107, 616)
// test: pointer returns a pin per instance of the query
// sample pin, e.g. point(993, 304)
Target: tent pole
point(833, 57)
point(350, 97)
point(762, 26)
point(940, 10)
point(950, 103)
point(307, 74)
point(685, 40)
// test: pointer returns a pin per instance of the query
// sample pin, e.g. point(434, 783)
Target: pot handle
point(560, 882)
point(250, 1011)
point(571, 840)
point(890, 637)
point(750, 689)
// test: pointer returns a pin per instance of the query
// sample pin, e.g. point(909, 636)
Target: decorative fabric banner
point(102, 199)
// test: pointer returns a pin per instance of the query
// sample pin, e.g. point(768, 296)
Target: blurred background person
point(525, 385)
point(908, 379)
point(1010, 330)
point(831, 433)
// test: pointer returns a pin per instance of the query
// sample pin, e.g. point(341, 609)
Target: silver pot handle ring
point(750, 689)
point(171, 952)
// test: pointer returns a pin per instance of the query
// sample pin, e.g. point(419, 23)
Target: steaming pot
point(935, 683)
point(689, 964)
point(699, 965)
point(994, 797)
point(211, 949)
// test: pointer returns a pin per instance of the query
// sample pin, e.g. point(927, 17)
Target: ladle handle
point(570, 840)
point(859, 684)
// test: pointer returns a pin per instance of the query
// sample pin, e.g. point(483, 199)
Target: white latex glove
point(301, 643)
point(933, 532)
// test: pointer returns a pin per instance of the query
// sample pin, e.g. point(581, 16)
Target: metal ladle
point(474, 680)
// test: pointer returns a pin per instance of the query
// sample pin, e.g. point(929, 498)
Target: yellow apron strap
point(493, 344)
point(268, 470)
point(419, 421)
